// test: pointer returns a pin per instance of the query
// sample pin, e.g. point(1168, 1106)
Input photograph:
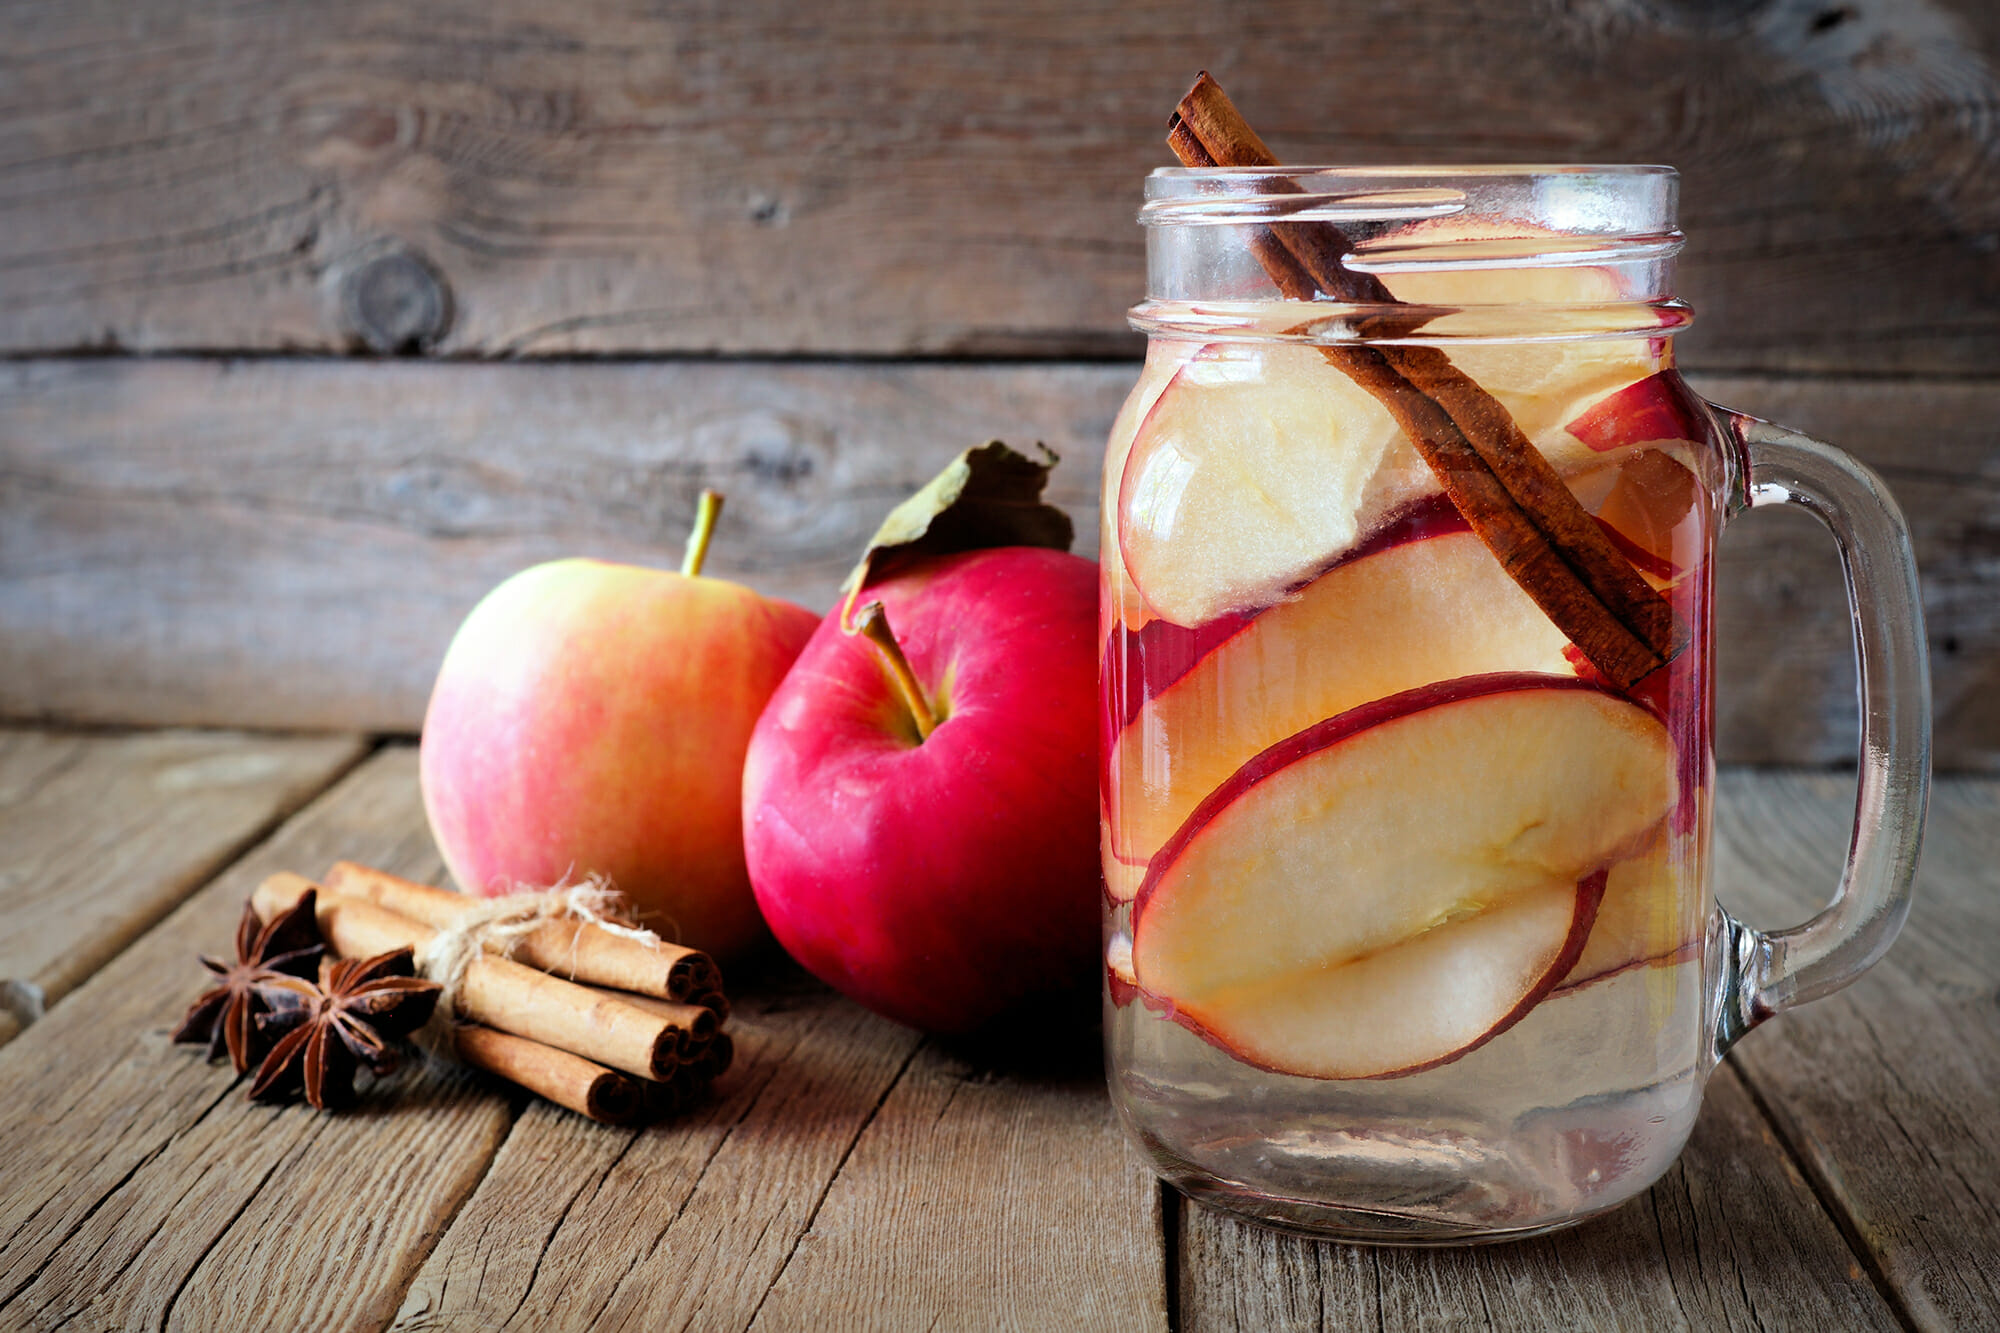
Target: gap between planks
point(1829, 1200)
point(134, 824)
point(475, 1181)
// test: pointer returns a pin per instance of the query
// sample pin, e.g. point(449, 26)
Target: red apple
point(941, 879)
point(592, 718)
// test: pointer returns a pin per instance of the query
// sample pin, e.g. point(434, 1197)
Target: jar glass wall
point(1408, 929)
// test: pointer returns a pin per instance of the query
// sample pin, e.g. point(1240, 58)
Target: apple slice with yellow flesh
point(1248, 473)
point(1257, 465)
point(1651, 914)
point(1396, 885)
point(1432, 606)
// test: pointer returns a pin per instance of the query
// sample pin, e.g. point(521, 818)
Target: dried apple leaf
point(990, 495)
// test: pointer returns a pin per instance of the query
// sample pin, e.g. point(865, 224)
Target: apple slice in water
point(1121, 877)
point(1651, 913)
point(1260, 463)
point(1432, 606)
point(1396, 885)
point(1658, 408)
point(1122, 608)
point(1248, 474)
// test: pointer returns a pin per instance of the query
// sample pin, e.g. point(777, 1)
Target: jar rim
point(1432, 169)
point(1597, 198)
point(1473, 251)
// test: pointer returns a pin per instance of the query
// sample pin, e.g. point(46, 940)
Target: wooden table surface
point(849, 1172)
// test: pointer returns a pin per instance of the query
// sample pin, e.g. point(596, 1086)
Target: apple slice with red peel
point(1259, 464)
point(1651, 913)
point(1444, 847)
point(1122, 606)
point(1659, 407)
point(1248, 474)
point(1140, 663)
point(1145, 661)
point(1413, 1006)
point(1432, 608)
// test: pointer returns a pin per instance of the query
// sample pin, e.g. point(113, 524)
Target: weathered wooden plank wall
point(287, 541)
point(900, 176)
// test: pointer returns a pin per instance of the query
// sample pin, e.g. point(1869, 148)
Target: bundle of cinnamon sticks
point(630, 1030)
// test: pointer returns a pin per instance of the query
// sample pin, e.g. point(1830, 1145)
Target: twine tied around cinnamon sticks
point(497, 925)
point(632, 1028)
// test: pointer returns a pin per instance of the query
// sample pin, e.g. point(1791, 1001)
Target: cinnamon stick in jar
point(499, 993)
point(589, 1089)
point(1508, 492)
point(579, 950)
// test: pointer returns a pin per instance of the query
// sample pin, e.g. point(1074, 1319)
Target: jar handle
point(1766, 972)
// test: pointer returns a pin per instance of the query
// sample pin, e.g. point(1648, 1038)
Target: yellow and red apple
point(592, 718)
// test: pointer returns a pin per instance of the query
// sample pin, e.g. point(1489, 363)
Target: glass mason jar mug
point(1407, 551)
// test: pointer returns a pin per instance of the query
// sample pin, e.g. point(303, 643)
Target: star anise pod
point(359, 1006)
point(225, 1015)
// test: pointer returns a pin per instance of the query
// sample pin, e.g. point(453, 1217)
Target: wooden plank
point(1785, 671)
point(1889, 1092)
point(105, 834)
point(1730, 1237)
point(187, 542)
point(143, 1189)
point(989, 1199)
point(294, 543)
point(683, 1225)
point(511, 178)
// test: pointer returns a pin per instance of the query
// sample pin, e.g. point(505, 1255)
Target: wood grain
point(267, 540)
point(983, 1198)
point(105, 834)
point(141, 1188)
point(1732, 1237)
point(849, 1168)
point(291, 544)
point(1785, 676)
point(1886, 1090)
point(510, 178)
point(683, 1225)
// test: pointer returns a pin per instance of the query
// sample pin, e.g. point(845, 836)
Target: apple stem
point(708, 507)
point(873, 622)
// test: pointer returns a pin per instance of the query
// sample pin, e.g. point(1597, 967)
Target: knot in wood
point(396, 303)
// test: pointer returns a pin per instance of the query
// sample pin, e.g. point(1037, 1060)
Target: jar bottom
point(1360, 1226)
point(1406, 1181)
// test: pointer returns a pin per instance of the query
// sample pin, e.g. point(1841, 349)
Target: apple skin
point(947, 881)
point(1659, 407)
point(1589, 897)
point(1149, 659)
point(592, 718)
